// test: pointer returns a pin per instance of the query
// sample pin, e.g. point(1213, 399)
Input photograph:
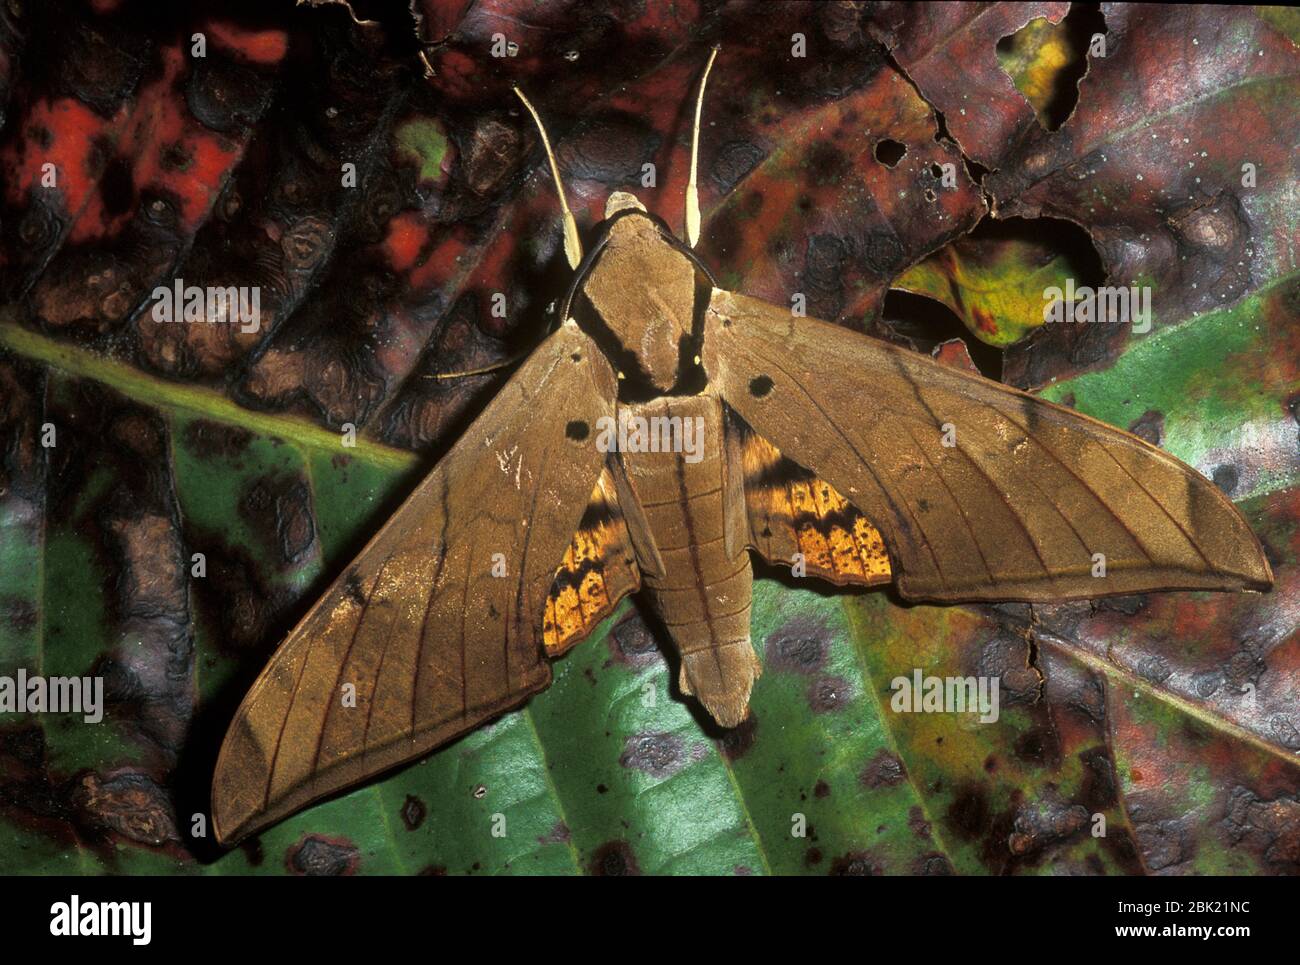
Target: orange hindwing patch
point(792, 511)
point(598, 570)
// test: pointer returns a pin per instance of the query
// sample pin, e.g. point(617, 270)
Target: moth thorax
point(644, 290)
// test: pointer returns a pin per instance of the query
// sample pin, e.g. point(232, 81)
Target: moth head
point(622, 201)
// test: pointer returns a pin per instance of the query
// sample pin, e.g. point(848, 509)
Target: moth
point(860, 462)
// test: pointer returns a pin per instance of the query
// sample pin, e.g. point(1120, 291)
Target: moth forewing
point(436, 626)
point(1016, 509)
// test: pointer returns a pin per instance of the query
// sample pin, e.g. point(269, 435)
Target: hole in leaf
point(941, 133)
point(760, 386)
point(1046, 61)
point(400, 26)
point(996, 278)
point(925, 323)
point(889, 152)
point(577, 430)
point(1064, 238)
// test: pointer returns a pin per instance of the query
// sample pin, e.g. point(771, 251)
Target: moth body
point(697, 575)
point(694, 561)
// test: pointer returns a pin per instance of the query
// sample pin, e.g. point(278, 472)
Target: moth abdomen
point(704, 593)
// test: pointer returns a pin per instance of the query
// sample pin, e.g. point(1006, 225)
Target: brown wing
point(791, 511)
point(599, 569)
point(1015, 509)
point(437, 624)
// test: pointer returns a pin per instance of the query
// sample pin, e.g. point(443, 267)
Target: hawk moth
point(533, 527)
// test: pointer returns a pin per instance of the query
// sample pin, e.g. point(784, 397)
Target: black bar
point(395, 917)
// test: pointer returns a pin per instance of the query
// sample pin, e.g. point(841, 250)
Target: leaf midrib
point(198, 400)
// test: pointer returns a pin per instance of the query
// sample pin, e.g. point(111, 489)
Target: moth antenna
point(692, 190)
point(572, 243)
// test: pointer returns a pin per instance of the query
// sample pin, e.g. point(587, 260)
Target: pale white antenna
point(692, 189)
point(572, 243)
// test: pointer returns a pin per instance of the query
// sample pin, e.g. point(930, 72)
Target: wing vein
point(279, 740)
point(929, 410)
point(343, 664)
point(522, 585)
point(1080, 480)
point(961, 510)
point(1030, 480)
point(428, 605)
point(1187, 536)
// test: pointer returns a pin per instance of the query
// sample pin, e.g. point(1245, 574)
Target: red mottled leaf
point(949, 52)
point(1152, 161)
